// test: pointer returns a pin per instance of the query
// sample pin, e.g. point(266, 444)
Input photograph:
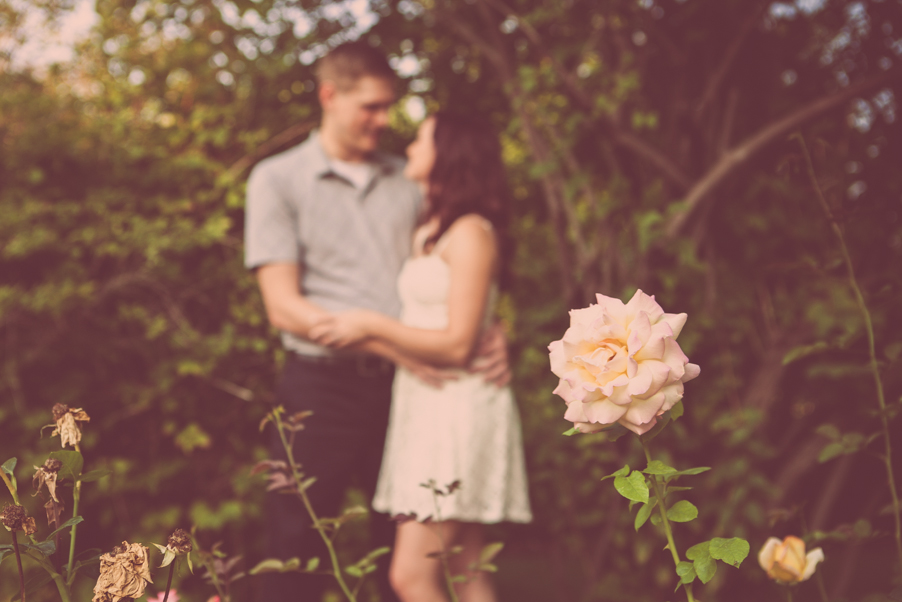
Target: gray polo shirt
point(350, 243)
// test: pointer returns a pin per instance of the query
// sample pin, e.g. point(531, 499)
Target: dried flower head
point(124, 573)
point(15, 518)
point(12, 517)
point(67, 424)
point(47, 475)
point(178, 544)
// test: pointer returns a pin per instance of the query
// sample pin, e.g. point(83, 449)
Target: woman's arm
point(471, 255)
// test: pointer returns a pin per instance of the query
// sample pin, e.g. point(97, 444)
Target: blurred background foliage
point(648, 147)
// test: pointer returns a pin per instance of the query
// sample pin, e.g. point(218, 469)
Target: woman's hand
point(342, 329)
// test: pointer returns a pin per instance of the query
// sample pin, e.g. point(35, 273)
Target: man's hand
point(431, 375)
point(491, 357)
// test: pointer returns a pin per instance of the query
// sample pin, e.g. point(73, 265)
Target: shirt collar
point(319, 161)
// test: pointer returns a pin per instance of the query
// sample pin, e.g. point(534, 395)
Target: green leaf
point(632, 487)
point(72, 521)
point(292, 564)
point(571, 432)
point(705, 567)
point(4, 550)
point(657, 467)
point(8, 468)
point(687, 472)
point(699, 550)
point(354, 571)
point(45, 547)
point(682, 512)
point(659, 426)
point(830, 451)
point(95, 475)
point(686, 572)
point(72, 462)
point(644, 513)
point(797, 353)
point(489, 551)
point(732, 551)
point(312, 564)
point(270, 565)
point(677, 410)
point(620, 473)
point(655, 519)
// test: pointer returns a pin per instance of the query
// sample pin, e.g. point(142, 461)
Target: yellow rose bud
point(786, 561)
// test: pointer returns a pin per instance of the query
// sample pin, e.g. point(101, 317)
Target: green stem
point(169, 581)
point(76, 496)
point(869, 328)
point(668, 531)
point(19, 564)
point(444, 556)
point(788, 594)
point(298, 477)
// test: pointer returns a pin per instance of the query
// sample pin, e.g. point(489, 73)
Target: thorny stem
point(668, 531)
point(296, 473)
point(869, 328)
point(444, 555)
point(19, 564)
point(169, 581)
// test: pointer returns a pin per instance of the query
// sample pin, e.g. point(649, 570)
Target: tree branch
point(727, 61)
point(734, 158)
point(293, 133)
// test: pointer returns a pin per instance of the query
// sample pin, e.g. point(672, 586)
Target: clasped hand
point(340, 330)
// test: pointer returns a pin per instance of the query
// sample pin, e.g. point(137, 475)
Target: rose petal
point(645, 303)
point(811, 560)
point(603, 412)
point(557, 357)
point(676, 322)
point(692, 371)
point(642, 410)
point(766, 555)
point(639, 429)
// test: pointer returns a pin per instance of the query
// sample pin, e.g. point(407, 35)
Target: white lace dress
point(466, 431)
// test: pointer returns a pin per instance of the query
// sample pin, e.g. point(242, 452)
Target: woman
point(467, 430)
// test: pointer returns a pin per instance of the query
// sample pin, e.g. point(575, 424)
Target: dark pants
point(340, 445)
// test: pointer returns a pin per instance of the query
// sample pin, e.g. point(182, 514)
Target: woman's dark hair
point(468, 177)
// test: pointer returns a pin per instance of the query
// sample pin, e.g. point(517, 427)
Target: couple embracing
point(367, 263)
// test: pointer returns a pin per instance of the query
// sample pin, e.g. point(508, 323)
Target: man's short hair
point(347, 63)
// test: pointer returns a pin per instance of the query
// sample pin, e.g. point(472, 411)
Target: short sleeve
point(270, 225)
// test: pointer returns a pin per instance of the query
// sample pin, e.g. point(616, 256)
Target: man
point(329, 225)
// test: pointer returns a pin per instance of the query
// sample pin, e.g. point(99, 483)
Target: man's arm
point(286, 308)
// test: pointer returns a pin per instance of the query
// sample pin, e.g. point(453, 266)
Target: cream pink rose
point(620, 363)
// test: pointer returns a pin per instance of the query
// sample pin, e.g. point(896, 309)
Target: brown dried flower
point(66, 424)
point(14, 518)
point(178, 544)
point(124, 573)
point(47, 475)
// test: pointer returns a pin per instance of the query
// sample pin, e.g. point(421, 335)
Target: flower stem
point(444, 556)
point(76, 496)
point(298, 477)
point(668, 531)
point(869, 328)
point(788, 595)
point(19, 564)
point(169, 581)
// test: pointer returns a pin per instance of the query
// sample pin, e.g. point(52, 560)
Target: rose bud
point(786, 562)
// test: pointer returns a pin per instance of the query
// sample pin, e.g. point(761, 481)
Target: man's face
point(359, 114)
